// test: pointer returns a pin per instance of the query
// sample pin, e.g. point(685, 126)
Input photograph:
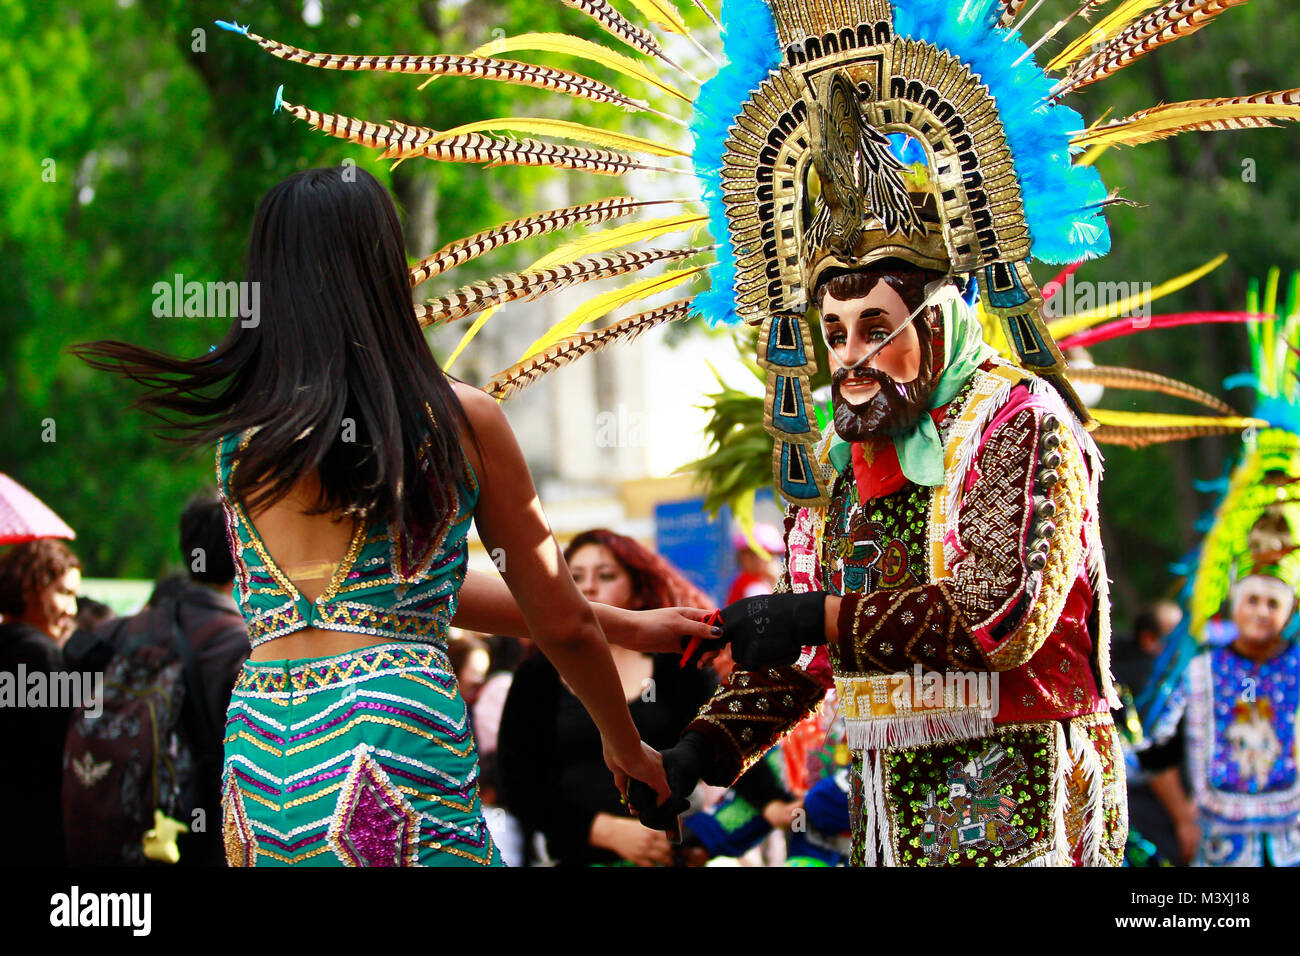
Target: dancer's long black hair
point(336, 338)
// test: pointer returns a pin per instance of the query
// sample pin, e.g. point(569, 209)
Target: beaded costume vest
point(380, 588)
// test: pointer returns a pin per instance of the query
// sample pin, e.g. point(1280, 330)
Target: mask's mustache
point(883, 379)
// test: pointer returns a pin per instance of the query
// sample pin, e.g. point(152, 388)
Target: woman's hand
point(641, 763)
point(665, 630)
point(630, 840)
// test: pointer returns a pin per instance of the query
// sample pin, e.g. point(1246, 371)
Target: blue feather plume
point(752, 52)
point(1056, 194)
point(1060, 200)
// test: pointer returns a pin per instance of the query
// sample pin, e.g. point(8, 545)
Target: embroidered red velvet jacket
point(972, 657)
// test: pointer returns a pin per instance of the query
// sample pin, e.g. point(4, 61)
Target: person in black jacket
point(38, 598)
point(201, 600)
point(553, 776)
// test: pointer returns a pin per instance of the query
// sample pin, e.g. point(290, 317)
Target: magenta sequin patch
point(373, 824)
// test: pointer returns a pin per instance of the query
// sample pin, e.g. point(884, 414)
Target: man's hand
point(1188, 832)
point(769, 630)
point(684, 765)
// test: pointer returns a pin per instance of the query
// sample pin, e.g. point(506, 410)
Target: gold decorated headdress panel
point(810, 181)
point(817, 28)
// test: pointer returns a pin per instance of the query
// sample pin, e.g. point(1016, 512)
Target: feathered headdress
point(1256, 524)
point(790, 153)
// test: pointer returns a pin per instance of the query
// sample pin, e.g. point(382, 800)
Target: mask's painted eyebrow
point(871, 313)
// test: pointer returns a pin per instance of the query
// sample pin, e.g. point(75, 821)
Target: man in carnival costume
point(1231, 691)
point(866, 160)
point(944, 568)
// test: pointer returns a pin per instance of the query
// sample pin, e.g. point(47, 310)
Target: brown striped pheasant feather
point(403, 141)
point(1109, 376)
point(1010, 10)
point(619, 27)
point(514, 286)
point(1141, 437)
point(506, 384)
point(1174, 20)
point(1227, 112)
point(463, 250)
point(473, 67)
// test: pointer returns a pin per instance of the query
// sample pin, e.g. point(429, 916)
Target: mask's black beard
point(893, 410)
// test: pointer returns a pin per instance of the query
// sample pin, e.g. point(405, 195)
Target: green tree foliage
point(136, 148)
point(139, 139)
point(1199, 194)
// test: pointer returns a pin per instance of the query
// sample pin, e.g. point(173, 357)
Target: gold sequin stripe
point(1064, 553)
point(876, 696)
point(416, 730)
point(457, 851)
point(959, 453)
point(292, 860)
point(332, 672)
point(413, 729)
point(426, 795)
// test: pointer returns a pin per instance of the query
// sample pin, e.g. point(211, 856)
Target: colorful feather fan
point(1265, 480)
point(1043, 199)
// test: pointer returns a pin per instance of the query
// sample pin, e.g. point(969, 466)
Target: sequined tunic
point(1238, 720)
point(971, 664)
point(364, 758)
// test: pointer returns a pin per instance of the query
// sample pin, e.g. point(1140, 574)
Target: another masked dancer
point(1230, 692)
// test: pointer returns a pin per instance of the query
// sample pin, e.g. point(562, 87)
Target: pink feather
point(1122, 327)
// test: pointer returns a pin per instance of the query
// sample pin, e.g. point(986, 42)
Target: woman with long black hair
point(350, 467)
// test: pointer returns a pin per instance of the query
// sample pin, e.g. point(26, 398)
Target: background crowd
point(548, 796)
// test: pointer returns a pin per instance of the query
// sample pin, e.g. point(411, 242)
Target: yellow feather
point(574, 46)
point(479, 321)
point(993, 333)
point(663, 13)
point(565, 130)
point(607, 302)
point(1107, 27)
point(742, 509)
point(1090, 157)
point(1162, 122)
point(580, 248)
point(1120, 419)
point(1060, 328)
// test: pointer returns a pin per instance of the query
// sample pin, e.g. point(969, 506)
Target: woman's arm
point(510, 521)
point(487, 605)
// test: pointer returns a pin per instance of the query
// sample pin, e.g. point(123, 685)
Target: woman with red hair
point(549, 749)
point(38, 601)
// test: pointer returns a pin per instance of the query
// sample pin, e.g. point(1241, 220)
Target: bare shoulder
point(480, 408)
point(488, 422)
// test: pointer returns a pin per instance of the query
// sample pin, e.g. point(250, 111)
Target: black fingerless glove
point(684, 765)
point(769, 630)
